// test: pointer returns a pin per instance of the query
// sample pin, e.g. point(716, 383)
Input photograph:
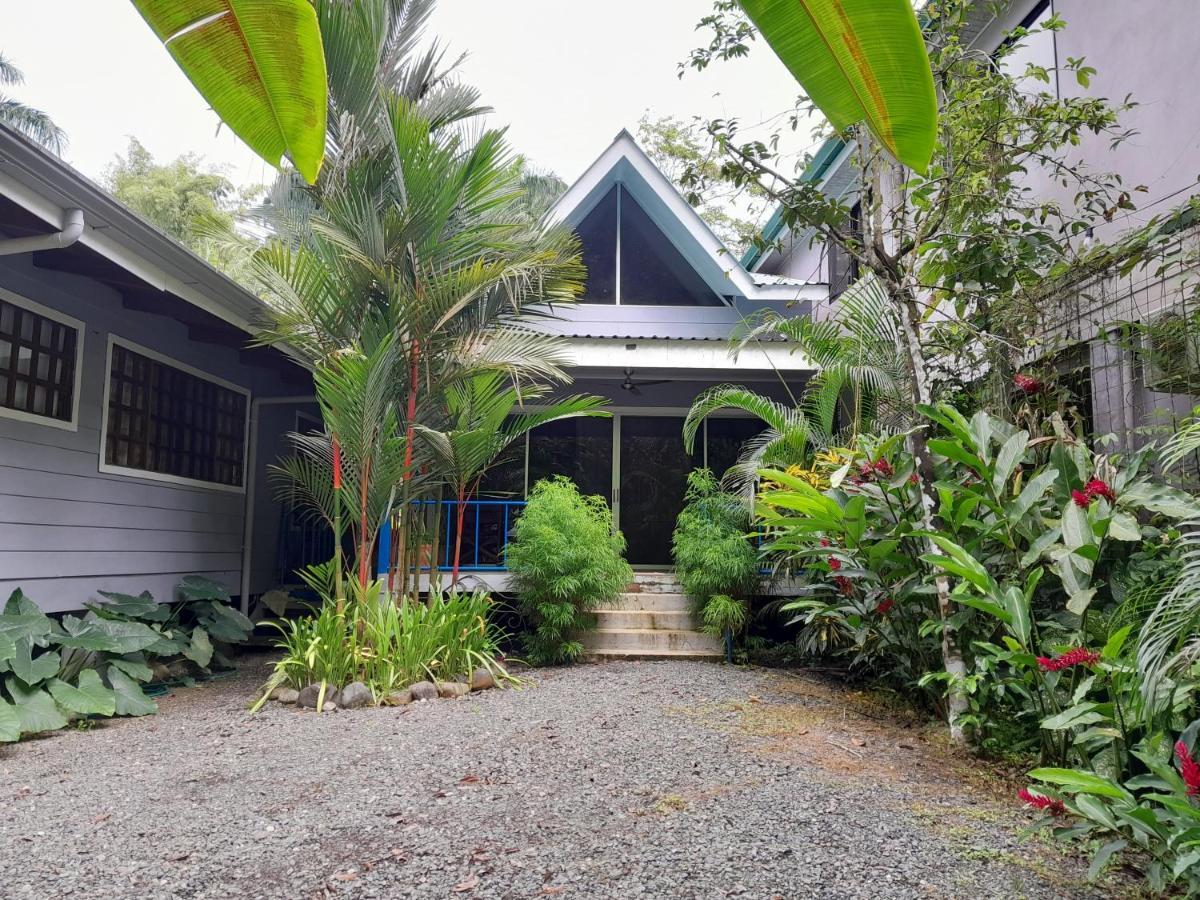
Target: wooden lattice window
point(39, 354)
point(173, 422)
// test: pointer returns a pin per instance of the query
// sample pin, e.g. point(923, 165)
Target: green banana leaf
point(858, 60)
point(261, 66)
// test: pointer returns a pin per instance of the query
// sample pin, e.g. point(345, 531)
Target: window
point(169, 422)
point(630, 261)
point(40, 363)
point(1038, 49)
point(843, 268)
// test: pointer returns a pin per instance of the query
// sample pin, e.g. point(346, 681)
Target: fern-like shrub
point(712, 554)
point(565, 560)
point(724, 615)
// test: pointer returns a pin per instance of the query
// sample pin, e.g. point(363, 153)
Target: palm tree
point(33, 123)
point(859, 377)
point(484, 420)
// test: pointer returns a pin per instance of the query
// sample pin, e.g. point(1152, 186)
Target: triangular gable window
point(631, 262)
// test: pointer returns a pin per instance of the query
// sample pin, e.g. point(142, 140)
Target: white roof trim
point(625, 148)
point(705, 356)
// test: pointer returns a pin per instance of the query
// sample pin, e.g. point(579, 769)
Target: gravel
point(628, 779)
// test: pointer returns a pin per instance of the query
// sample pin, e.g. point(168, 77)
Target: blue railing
point(486, 528)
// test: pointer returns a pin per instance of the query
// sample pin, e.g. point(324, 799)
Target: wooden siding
point(66, 529)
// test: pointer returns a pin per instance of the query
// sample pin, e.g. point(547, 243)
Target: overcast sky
point(566, 77)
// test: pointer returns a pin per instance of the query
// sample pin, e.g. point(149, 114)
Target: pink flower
point(825, 542)
point(1188, 767)
point(1076, 657)
point(885, 606)
point(1038, 801)
point(913, 479)
point(1097, 488)
point(834, 563)
point(883, 467)
point(1082, 499)
point(1027, 384)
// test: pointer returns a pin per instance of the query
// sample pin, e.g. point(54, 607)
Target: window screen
point(653, 272)
point(37, 363)
point(164, 420)
point(598, 237)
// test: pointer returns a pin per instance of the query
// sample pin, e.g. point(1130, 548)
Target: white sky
point(565, 76)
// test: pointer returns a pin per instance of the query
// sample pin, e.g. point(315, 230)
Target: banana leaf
point(260, 64)
point(858, 60)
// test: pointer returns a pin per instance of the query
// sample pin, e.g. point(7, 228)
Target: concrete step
point(645, 619)
point(652, 602)
point(603, 654)
point(650, 643)
point(655, 583)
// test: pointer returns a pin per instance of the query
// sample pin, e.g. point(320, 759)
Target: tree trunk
point(364, 539)
point(909, 315)
point(460, 511)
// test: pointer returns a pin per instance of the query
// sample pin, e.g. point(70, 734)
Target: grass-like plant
point(712, 554)
point(565, 560)
point(388, 645)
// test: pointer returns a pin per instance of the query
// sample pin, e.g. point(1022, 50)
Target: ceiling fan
point(632, 386)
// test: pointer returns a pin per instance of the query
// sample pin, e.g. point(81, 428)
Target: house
point(135, 420)
point(1123, 386)
point(651, 331)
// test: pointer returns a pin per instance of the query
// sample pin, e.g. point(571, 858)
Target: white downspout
point(251, 473)
point(72, 228)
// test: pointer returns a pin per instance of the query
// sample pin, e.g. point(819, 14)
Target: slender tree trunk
point(405, 517)
point(364, 538)
point(460, 511)
point(435, 553)
point(340, 598)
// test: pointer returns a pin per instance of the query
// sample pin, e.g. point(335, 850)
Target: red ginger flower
point(885, 606)
point(1188, 767)
point(1097, 488)
point(845, 585)
point(825, 542)
point(834, 563)
point(1080, 656)
point(1038, 801)
point(1027, 384)
point(1082, 499)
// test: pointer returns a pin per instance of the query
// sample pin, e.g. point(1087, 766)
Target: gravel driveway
point(650, 779)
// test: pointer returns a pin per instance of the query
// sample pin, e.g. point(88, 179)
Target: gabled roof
point(625, 163)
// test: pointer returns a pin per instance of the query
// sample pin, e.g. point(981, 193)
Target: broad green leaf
point(197, 587)
point(107, 635)
point(35, 709)
point(1076, 529)
point(200, 650)
point(1112, 648)
point(858, 60)
point(33, 669)
point(8, 649)
point(957, 452)
point(1043, 542)
point(987, 606)
point(225, 623)
point(10, 723)
point(1073, 716)
point(1097, 811)
point(1160, 498)
point(89, 698)
point(971, 568)
point(1124, 527)
point(130, 700)
point(1017, 607)
point(260, 64)
point(1080, 782)
point(1032, 493)
point(134, 668)
point(1079, 601)
point(1100, 860)
point(143, 606)
point(1007, 459)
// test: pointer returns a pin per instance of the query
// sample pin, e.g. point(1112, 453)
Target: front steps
point(652, 620)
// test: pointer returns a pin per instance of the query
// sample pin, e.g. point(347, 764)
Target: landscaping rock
point(400, 698)
point(285, 695)
point(423, 690)
point(355, 695)
point(329, 706)
point(307, 697)
point(452, 690)
point(481, 680)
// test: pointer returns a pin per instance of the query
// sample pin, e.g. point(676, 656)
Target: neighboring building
point(135, 421)
point(1120, 383)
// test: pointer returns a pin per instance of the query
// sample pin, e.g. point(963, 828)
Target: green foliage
point(565, 560)
point(711, 545)
point(723, 615)
point(194, 205)
point(388, 645)
point(24, 119)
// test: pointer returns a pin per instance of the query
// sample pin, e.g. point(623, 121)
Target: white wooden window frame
point(21, 415)
point(126, 471)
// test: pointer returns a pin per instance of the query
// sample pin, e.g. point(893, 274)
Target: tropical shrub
point(388, 645)
point(713, 553)
point(565, 560)
point(55, 670)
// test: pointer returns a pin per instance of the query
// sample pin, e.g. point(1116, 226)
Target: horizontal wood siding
point(66, 529)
